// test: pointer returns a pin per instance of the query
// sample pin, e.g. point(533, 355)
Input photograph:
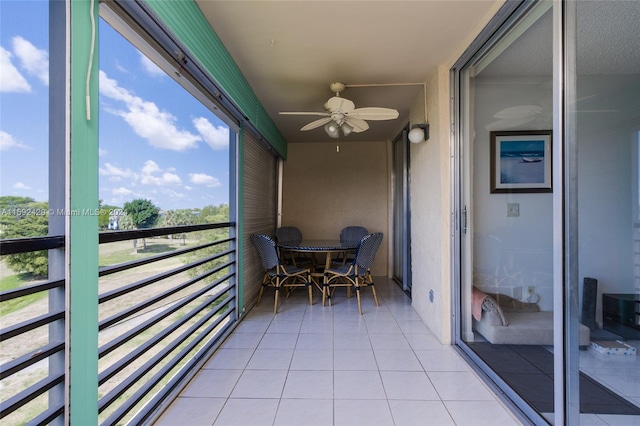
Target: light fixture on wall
point(419, 133)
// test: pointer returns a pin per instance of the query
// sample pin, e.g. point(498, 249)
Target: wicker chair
point(292, 236)
point(277, 274)
point(357, 274)
point(350, 235)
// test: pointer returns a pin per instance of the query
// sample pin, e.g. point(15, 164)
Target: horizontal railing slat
point(29, 244)
point(32, 392)
point(31, 324)
point(30, 289)
point(114, 236)
point(132, 356)
point(29, 359)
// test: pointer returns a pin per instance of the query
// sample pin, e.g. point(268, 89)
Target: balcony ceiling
point(291, 51)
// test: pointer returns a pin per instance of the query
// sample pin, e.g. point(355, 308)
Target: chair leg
point(275, 304)
point(358, 296)
point(375, 295)
point(309, 286)
point(260, 294)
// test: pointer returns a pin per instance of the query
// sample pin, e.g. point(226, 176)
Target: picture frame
point(521, 161)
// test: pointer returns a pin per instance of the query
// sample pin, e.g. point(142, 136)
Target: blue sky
point(156, 141)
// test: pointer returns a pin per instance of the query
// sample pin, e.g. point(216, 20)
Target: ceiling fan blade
point(304, 113)
point(374, 113)
point(316, 123)
point(339, 104)
point(358, 124)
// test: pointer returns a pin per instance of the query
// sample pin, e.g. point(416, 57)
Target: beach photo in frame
point(521, 161)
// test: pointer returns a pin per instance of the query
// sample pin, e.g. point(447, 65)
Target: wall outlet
point(513, 209)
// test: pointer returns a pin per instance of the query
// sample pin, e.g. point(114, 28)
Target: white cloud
point(116, 174)
point(203, 179)
point(20, 185)
point(10, 78)
point(34, 60)
point(150, 67)
point(152, 174)
point(102, 152)
point(7, 141)
point(121, 191)
point(217, 137)
point(146, 119)
point(188, 188)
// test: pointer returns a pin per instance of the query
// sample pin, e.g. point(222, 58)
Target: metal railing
point(160, 316)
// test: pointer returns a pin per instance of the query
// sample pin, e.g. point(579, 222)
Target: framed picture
point(521, 161)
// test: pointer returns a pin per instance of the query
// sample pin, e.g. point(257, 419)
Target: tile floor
point(314, 365)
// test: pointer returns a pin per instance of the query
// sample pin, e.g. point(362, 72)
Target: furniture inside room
point(501, 319)
point(357, 274)
point(621, 314)
point(278, 274)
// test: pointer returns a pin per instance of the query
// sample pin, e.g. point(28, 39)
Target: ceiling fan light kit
point(342, 114)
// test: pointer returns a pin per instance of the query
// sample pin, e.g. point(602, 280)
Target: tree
point(23, 217)
point(106, 213)
point(178, 218)
point(143, 214)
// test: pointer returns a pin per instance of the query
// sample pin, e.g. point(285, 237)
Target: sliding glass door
point(548, 247)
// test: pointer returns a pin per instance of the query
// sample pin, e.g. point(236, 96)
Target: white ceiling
point(291, 51)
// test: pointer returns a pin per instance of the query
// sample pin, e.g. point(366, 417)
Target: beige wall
point(430, 211)
point(324, 190)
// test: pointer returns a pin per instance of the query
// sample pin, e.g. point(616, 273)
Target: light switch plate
point(513, 209)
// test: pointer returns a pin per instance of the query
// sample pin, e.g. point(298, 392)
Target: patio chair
point(292, 236)
point(357, 274)
point(277, 274)
point(349, 235)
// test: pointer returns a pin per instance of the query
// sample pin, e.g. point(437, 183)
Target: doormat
point(528, 369)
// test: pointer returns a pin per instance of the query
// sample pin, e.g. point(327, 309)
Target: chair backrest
point(352, 234)
point(289, 235)
point(367, 250)
point(266, 248)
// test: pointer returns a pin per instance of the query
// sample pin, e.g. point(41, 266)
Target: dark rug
point(528, 369)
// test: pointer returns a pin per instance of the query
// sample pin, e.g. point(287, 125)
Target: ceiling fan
point(342, 114)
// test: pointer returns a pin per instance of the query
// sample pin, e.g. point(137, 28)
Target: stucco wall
point(430, 207)
point(324, 191)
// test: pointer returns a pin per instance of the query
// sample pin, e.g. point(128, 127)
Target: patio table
point(329, 248)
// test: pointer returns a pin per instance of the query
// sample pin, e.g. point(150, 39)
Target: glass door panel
point(507, 295)
point(606, 115)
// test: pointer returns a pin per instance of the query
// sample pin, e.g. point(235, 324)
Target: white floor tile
point(354, 359)
point(314, 365)
point(408, 385)
point(315, 341)
point(308, 412)
point(413, 413)
point(394, 341)
point(229, 359)
point(459, 386)
point(270, 359)
point(309, 384)
point(397, 360)
point(278, 341)
point(260, 384)
point(243, 340)
point(199, 411)
point(312, 359)
point(357, 385)
point(248, 412)
point(439, 360)
point(212, 383)
point(361, 412)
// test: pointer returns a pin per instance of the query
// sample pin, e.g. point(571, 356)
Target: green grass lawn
point(15, 281)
